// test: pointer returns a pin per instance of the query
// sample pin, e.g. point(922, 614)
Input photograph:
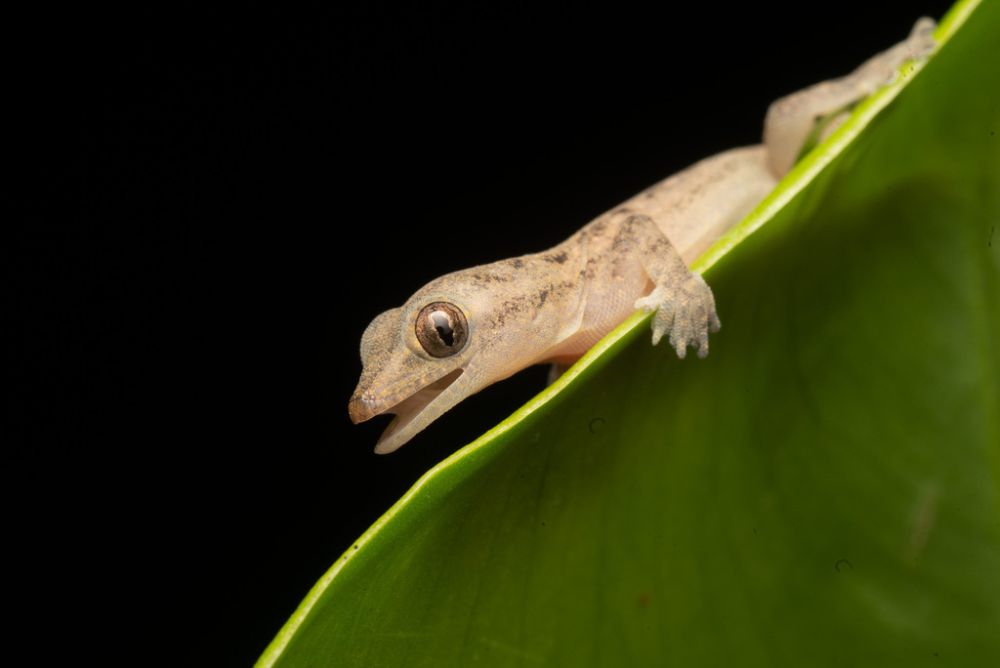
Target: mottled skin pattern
point(550, 307)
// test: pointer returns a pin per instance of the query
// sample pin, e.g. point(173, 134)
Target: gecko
point(471, 328)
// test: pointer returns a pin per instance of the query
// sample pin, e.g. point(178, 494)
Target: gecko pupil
point(442, 323)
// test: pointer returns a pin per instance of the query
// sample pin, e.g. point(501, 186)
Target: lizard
point(471, 328)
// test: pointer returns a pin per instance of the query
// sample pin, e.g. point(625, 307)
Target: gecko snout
point(360, 408)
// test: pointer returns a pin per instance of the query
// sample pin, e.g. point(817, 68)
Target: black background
point(215, 204)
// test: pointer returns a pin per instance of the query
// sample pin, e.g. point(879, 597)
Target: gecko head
point(415, 361)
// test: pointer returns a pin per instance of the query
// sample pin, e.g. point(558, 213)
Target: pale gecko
point(471, 328)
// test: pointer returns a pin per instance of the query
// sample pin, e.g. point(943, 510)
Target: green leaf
point(823, 490)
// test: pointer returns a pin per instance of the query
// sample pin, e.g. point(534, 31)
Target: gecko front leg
point(683, 303)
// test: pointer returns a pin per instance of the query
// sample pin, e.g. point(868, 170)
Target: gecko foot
point(921, 41)
point(686, 312)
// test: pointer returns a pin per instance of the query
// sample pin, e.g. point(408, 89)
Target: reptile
point(471, 328)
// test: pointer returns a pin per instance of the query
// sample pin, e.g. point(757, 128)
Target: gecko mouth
point(412, 413)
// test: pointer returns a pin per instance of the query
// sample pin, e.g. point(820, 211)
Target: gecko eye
point(442, 329)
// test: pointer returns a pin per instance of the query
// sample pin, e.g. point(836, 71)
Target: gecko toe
point(703, 345)
point(680, 345)
point(663, 321)
point(651, 302)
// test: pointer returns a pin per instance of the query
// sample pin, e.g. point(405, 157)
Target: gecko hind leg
point(791, 122)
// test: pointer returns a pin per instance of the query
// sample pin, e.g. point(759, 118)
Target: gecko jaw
point(412, 412)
